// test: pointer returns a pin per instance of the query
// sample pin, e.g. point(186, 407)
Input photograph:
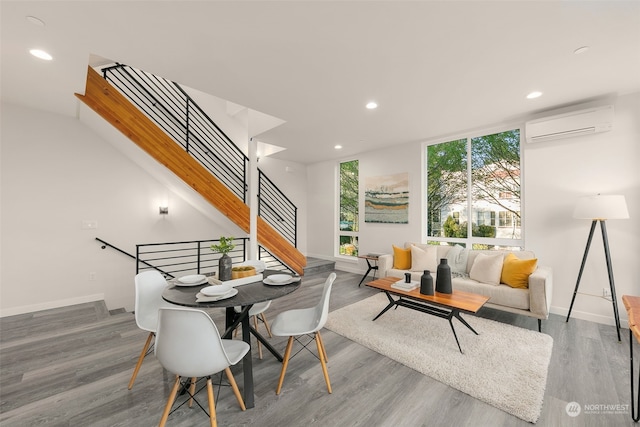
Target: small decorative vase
point(443, 278)
point(426, 283)
point(407, 277)
point(224, 267)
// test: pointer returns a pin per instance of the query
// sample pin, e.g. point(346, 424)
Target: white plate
point(194, 278)
point(217, 290)
point(202, 282)
point(291, 280)
point(205, 298)
point(279, 278)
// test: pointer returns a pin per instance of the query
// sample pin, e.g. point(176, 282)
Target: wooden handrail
point(116, 109)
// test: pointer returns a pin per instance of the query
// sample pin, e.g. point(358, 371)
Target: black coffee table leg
point(457, 315)
point(392, 302)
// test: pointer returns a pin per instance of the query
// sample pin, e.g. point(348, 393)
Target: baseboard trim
point(597, 318)
point(13, 311)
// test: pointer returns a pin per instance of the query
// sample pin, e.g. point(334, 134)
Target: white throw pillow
point(457, 259)
point(487, 268)
point(424, 259)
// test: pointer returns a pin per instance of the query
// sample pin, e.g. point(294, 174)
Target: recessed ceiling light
point(41, 54)
point(35, 21)
point(580, 50)
point(338, 147)
point(534, 94)
point(372, 105)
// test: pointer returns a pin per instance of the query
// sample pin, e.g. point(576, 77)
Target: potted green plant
point(224, 263)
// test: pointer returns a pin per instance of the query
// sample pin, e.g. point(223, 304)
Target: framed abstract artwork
point(387, 199)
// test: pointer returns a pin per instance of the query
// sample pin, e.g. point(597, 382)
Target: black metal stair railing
point(189, 257)
point(173, 110)
point(183, 120)
point(175, 259)
point(276, 209)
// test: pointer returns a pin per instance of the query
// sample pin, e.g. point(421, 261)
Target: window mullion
point(469, 193)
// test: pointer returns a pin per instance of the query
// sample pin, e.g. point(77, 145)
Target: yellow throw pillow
point(516, 271)
point(401, 258)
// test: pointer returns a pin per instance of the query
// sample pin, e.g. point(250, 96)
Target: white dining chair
point(148, 287)
point(305, 321)
point(188, 345)
point(255, 312)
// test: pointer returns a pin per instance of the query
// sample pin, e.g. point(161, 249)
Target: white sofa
point(533, 301)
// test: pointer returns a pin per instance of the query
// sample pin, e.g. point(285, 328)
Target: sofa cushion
point(487, 269)
point(401, 258)
point(500, 295)
point(516, 271)
point(424, 258)
point(457, 259)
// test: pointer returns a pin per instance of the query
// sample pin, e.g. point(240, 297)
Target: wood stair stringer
point(116, 109)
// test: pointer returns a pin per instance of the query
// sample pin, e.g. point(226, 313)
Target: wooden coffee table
point(446, 306)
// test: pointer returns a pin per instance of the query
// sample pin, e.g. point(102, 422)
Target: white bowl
point(279, 278)
point(216, 290)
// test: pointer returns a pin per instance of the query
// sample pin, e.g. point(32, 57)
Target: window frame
point(471, 240)
point(338, 231)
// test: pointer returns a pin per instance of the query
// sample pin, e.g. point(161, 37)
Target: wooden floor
point(71, 366)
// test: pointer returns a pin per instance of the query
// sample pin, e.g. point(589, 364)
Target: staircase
point(116, 109)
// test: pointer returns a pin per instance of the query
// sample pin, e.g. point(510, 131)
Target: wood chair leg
point(255, 325)
point(266, 324)
point(285, 363)
point(192, 390)
point(234, 387)
point(324, 351)
point(140, 359)
point(322, 355)
point(212, 405)
point(172, 397)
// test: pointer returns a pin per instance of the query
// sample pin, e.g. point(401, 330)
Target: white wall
point(57, 173)
point(556, 173)
point(373, 237)
point(291, 179)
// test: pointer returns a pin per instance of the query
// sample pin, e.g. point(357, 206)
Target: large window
point(473, 191)
point(348, 218)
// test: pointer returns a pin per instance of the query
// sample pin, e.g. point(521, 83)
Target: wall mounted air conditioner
point(575, 123)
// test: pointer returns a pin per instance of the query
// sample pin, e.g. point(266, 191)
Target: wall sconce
point(164, 210)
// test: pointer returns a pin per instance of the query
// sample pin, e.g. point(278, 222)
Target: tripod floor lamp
point(598, 209)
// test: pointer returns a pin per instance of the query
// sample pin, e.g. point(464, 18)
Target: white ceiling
point(435, 68)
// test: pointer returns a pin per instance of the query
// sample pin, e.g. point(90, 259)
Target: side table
point(632, 304)
point(369, 258)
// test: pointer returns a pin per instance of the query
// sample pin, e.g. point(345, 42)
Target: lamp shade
point(601, 207)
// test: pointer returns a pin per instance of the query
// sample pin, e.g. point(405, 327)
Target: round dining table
point(248, 295)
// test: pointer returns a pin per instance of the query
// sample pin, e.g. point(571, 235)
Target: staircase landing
point(318, 265)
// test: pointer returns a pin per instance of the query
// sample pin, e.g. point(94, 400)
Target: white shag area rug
point(504, 366)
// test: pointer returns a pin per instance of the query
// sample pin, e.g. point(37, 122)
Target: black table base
point(248, 295)
point(425, 308)
point(369, 268)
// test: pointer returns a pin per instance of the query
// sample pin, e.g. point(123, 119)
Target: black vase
point(426, 283)
point(443, 278)
point(224, 267)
